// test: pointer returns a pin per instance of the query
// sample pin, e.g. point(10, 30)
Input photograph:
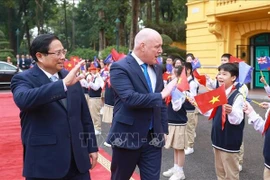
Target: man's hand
point(168, 89)
point(93, 159)
point(72, 77)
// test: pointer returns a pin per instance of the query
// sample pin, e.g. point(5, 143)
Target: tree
point(134, 25)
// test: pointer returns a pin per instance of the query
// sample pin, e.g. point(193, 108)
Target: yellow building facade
point(238, 27)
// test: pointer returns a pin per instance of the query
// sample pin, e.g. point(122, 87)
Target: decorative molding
point(253, 26)
point(225, 2)
point(216, 29)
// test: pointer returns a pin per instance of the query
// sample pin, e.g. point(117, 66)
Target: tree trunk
point(134, 24)
point(66, 28)
point(26, 26)
point(101, 17)
point(149, 12)
point(157, 11)
point(12, 44)
point(39, 16)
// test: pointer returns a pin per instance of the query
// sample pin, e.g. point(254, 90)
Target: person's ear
point(39, 56)
point(233, 78)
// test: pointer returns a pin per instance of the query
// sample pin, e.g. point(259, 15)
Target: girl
point(177, 119)
point(192, 115)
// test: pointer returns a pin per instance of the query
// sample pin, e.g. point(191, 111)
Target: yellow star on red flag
point(214, 99)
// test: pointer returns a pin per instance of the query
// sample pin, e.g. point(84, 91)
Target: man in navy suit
point(140, 113)
point(57, 130)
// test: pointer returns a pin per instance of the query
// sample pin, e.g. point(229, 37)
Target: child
point(266, 86)
point(189, 57)
point(225, 58)
point(95, 83)
point(169, 66)
point(212, 83)
point(192, 115)
point(261, 125)
point(108, 103)
point(177, 120)
point(226, 143)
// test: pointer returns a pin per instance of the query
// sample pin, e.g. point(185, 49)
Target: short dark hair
point(191, 55)
point(178, 70)
point(188, 65)
point(232, 68)
point(226, 55)
point(41, 44)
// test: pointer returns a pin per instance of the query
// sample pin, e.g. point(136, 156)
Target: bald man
point(140, 114)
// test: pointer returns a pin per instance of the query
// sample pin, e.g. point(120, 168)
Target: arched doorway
point(259, 47)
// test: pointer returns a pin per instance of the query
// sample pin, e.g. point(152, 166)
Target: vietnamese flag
point(74, 59)
point(235, 59)
point(69, 65)
point(200, 78)
point(182, 83)
point(211, 99)
point(117, 56)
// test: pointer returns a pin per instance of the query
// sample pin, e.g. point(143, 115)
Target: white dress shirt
point(150, 70)
point(49, 75)
point(99, 83)
point(257, 121)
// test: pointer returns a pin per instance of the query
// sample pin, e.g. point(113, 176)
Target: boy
point(226, 143)
point(212, 83)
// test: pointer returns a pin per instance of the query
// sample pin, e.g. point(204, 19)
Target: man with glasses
point(57, 130)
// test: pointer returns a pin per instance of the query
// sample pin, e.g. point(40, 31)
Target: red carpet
point(11, 148)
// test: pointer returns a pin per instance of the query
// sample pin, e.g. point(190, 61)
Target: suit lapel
point(40, 76)
point(42, 79)
point(135, 66)
point(64, 102)
point(155, 67)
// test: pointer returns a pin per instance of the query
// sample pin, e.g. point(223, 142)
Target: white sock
point(175, 166)
point(178, 168)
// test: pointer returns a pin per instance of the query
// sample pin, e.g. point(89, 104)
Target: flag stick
point(261, 73)
point(190, 101)
point(256, 102)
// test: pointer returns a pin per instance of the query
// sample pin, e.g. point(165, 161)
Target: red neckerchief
point(168, 100)
point(267, 123)
point(223, 114)
point(107, 81)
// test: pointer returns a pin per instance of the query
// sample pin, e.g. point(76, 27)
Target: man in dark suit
point(140, 113)
point(57, 130)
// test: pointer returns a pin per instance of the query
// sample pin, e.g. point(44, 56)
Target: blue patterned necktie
point(147, 77)
point(63, 101)
point(53, 78)
point(148, 80)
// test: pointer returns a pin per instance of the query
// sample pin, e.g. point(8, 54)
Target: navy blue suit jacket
point(51, 131)
point(134, 106)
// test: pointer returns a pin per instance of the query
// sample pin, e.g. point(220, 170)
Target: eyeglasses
point(59, 52)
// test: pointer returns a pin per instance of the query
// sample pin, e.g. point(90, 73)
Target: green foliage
point(174, 30)
point(4, 48)
point(166, 39)
point(4, 55)
point(84, 53)
point(107, 51)
point(175, 51)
